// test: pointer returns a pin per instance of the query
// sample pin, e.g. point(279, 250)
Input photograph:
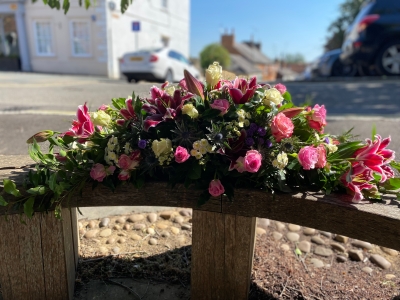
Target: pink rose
point(281, 88)
point(308, 157)
point(221, 104)
point(216, 188)
point(321, 157)
point(103, 107)
point(252, 161)
point(181, 155)
point(99, 172)
point(281, 127)
point(129, 162)
point(124, 175)
point(317, 117)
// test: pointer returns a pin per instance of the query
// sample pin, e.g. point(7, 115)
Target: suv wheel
point(169, 76)
point(339, 69)
point(388, 59)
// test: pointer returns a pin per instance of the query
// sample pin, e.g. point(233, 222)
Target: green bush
point(214, 52)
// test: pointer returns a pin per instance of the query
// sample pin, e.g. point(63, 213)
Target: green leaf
point(211, 114)
point(118, 103)
point(3, 202)
point(392, 184)
point(53, 181)
point(38, 190)
point(138, 105)
point(195, 171)
point(373, 133)
point(65, 6)
point(298, 251)
point(287, 96)
point(28, 207)
point(11, 188)
point(87, 4)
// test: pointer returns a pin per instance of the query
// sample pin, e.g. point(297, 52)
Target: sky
point(282, 26)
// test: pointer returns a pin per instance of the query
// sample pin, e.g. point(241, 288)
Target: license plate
point(136, 58)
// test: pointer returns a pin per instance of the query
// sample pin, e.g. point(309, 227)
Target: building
point(248, 59)
point(91, 41)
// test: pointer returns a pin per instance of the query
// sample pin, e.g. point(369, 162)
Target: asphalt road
point(30, 103)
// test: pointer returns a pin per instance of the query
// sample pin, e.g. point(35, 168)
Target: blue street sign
point(136, 26)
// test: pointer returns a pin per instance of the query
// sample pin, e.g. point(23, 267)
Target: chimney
point(228, 41)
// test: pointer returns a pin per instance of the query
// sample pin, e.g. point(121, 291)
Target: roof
point(241, 66)
point(252, 54)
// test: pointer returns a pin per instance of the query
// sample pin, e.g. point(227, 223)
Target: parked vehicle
point(373, 40)
point(330, 65)
point(162, 64)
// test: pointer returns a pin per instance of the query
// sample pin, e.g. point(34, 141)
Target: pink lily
point(83, 126)
point(360, 180)
point(374, 156)
point(242, 90)
point(163, 107)
point(128, 112)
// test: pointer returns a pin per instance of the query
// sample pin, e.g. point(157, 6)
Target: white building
point(92, 41)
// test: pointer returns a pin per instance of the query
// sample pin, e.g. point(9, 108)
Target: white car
point(161, 64)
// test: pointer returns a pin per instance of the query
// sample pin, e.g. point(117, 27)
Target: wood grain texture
point(75, 234)
point(222, 255)
point(69, 250)
point(334, 213)
point(21, 270)
point(55, 270)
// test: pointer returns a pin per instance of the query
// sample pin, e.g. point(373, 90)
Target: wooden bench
point(38, 261)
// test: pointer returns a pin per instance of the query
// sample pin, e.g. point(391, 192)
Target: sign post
point(136, 29)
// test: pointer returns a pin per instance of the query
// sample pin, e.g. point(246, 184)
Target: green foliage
point(65, 4)
point(337, 29)
point(212, 53)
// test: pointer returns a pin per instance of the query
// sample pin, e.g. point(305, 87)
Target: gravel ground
point(153, 261)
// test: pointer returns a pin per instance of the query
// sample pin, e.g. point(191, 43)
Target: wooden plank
point(5, 280)
point(222, 255)
point(55, 271)
point(333, 213)
point(69, 250)
point(75, 234)
point(31, 253)
point(239, 250)
point(207, 279)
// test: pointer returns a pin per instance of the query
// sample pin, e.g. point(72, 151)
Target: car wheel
point(340, 69)
point(388, 59)
point(129, 78)
point(169, 76)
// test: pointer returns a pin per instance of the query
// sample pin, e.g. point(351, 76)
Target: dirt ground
point(127, 265)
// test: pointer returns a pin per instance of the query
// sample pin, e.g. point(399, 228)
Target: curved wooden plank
point(378, 223)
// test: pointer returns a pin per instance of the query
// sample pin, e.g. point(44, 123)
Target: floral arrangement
point(216, 136)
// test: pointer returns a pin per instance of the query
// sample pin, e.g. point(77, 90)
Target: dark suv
point(373, 40)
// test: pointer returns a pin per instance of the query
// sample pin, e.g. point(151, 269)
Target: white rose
point(213, 74)
point(190, 110)
point(272, 95)
point(100, 118)
point(162, 147)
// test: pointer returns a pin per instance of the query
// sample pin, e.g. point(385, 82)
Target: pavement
point(32, 102)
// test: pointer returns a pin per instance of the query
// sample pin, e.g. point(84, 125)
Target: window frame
point(35, 36)
point(71, 37)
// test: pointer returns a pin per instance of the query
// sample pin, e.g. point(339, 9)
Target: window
point(43, 38)
point(80, 38)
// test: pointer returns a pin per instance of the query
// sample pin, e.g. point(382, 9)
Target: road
point(30, 103)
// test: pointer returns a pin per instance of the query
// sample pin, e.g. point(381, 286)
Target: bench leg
point(38, 260)
point(222, 255)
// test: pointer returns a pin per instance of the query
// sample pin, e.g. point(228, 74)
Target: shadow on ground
point(164, 276)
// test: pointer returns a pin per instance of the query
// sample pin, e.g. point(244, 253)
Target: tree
point(337, 29)
point(65, 4)
point(215, 52)
point(295, 58)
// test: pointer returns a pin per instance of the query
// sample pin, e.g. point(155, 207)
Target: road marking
point(38, 112)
